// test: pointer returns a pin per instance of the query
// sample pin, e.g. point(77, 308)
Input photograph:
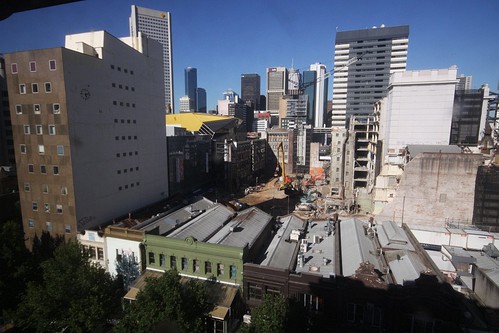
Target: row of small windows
point(32, 66)
point(120, 188)
point(128, 121)
point(46, 207)
point(41, 149)
point(124, 137)
point(43, 169)
point(39, 129)
point(126, 170)
point(48, 226)
point(37, 108)
point(93, 252)
point(118, 68)
point(124, 154)
point(121, 86)
point(34, 88)
point(45, 189)
point(196, 263)
point(124, 104)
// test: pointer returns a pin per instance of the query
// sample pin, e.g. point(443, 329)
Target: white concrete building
point(185, 104)
point(90, 146)
point(417, 110)
point(320, 94)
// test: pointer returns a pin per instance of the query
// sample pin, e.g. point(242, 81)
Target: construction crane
point(280, 164)
point(302, 86)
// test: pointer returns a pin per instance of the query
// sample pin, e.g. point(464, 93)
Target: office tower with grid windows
point(379, 52)
point(156, 25)
point(88, 128)
point(320, 94)
point(277, 80)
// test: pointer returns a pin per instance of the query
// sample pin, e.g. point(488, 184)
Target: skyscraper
point(191, 85)
point(380, 52)
point(201, 100)
point(88, 126)
point(320, 94)
point(277, 79)
point(250, 89)
point(309, 79)
point(156, 25)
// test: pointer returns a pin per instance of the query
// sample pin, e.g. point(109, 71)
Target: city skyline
point(443, 34)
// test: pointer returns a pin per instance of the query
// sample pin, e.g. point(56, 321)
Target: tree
point(278, 314)
point(15, 267)
point(74, 294)
point(271, 315)
point(165, 299)
point(128, 268)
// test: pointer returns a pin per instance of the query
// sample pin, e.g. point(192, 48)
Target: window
point(185, 263)
point(161, 259)
point(233, 271)
point(173, 262)
point(55, 169)
point(45, 189)
point(255, 292)
point(64, 190)
point(41, 149)
point(52, 129)
point(26, 129)
point(58, 209)
point(31, 168)
point(36, 108)
point(67, 229)
point(31, 223)
point(39, 129)
point(48, 87)
point(195, 265)
point(52, 65)
point(47, 208)
point(48, 226)
point(34, 205)
point(119, 255)
point(22, 88)
point(27, 187)
point(207, 267)
point(100, 251)
point(22, 148)
point(19, 109)
point(220, 269)
point(43, 169)
point(91, 252)
point(60, 150)
point(32, 66)
point(151, 258)
point(13, 68)
point(34, 88)
point(56, 108)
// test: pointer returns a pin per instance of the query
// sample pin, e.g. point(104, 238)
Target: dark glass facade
point(250, 89)
point(191, 85)
point(201, 100)
point(309, 78)
point(466, 117)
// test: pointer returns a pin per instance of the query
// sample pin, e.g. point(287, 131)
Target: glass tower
point(191, 86)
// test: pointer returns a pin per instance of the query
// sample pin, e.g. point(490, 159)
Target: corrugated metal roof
point(356, 247)
point(206, 225)
point(405, 266)
point(391, 236)
point(242, 229)
point(281, 252)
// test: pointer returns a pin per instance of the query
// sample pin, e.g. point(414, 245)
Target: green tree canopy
point(15, 266)
point(165, 299)
point(74, 294)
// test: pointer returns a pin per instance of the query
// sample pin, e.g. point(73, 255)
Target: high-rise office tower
point(191, 85)
point(464, 82)
point(320, 94)
point(89, 133)
point(201, 100)
point(309, 80)
point(250, 89)
point(380, 52)
point(156, 25)
point(277, 79)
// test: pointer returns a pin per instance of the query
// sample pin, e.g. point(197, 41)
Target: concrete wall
point(486, 289)
point(435, 188)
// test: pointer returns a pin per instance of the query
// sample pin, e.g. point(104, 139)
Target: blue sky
point(224, 39)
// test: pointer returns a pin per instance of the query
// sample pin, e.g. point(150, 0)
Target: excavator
point(286, 183)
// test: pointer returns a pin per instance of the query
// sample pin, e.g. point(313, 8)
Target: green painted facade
point(193, 258)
